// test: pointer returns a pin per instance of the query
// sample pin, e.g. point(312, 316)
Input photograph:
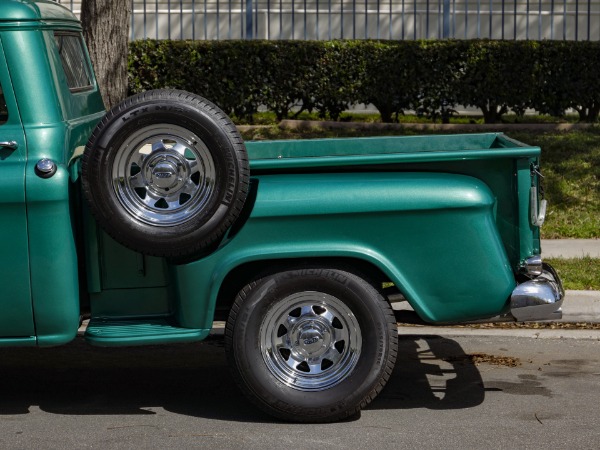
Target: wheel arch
point(245, 273)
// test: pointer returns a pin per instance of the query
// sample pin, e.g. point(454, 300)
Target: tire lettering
point(132, 114)
point(168, 108)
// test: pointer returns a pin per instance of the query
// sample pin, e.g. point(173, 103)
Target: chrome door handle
point(13, 145)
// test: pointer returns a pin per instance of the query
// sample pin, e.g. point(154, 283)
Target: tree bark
point(106, 30)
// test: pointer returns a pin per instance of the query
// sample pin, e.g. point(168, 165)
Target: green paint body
point(445, 218)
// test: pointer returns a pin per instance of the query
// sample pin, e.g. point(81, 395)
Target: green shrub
point(235, 80)
point(498, 77)
point(338, 75)
point(443, 65)
point(152, 65)
point(430, 77)
point(391, 76)
point(567, 74)
point(289, 70)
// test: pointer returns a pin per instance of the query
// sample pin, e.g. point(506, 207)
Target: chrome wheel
point(163, 175)
point(310, 341)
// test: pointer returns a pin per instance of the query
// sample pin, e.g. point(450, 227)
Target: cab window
point(74, 61)
point(3, 108)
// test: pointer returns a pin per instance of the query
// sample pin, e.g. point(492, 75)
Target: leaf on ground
point(483, 358)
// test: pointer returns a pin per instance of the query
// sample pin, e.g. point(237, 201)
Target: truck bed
point(499, 161)
point(346, 154)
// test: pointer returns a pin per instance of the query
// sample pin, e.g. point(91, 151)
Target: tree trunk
point(106, 30)
point(385, 111)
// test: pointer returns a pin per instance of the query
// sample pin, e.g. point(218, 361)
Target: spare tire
point(166, 174)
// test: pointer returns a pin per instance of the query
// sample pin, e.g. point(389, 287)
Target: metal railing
point(363, 19)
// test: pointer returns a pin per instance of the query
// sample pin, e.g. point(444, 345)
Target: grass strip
point(578, 273)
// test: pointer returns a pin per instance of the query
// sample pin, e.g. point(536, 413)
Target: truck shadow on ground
point(432, 372)
point(193, 379)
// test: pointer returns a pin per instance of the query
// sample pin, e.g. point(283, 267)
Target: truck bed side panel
point(433, 234)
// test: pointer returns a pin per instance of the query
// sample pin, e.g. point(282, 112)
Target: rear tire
point(166, 174)
point(311, 345)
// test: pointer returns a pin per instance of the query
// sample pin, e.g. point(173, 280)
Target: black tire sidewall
point(330, 404)
point(214, 129)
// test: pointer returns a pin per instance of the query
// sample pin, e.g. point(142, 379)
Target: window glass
point(3, 108)
point(74, 62)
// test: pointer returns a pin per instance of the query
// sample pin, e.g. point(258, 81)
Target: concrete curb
point(570, 248)
point(244, 128)
point(581, 306)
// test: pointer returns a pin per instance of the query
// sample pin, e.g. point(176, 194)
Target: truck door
point(16, 316)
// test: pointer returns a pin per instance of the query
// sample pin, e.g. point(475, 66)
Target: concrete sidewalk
point(581, 306)
point(570, 248)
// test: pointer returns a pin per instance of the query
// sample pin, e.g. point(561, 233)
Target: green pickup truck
point(155, 220)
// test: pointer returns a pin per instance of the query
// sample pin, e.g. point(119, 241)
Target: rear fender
point(434, 235)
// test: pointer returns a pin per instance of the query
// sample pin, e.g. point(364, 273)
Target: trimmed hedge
point(430, 77)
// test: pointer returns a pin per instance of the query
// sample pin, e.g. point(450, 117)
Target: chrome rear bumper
point(539, 298)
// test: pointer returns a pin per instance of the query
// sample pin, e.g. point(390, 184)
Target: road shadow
point(193, 379)
point(431, 372)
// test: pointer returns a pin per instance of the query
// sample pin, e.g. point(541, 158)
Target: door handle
point(13, 145)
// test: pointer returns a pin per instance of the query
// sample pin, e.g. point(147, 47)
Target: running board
point(119, 333)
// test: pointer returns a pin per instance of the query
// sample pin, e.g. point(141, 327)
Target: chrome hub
point(164, 175)
point(310, 341)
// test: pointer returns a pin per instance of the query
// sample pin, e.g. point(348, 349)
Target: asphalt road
point(446, 392)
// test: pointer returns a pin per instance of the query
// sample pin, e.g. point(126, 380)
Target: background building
point(363, 19)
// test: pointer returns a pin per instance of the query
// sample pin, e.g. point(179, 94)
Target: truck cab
point(49, 104)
